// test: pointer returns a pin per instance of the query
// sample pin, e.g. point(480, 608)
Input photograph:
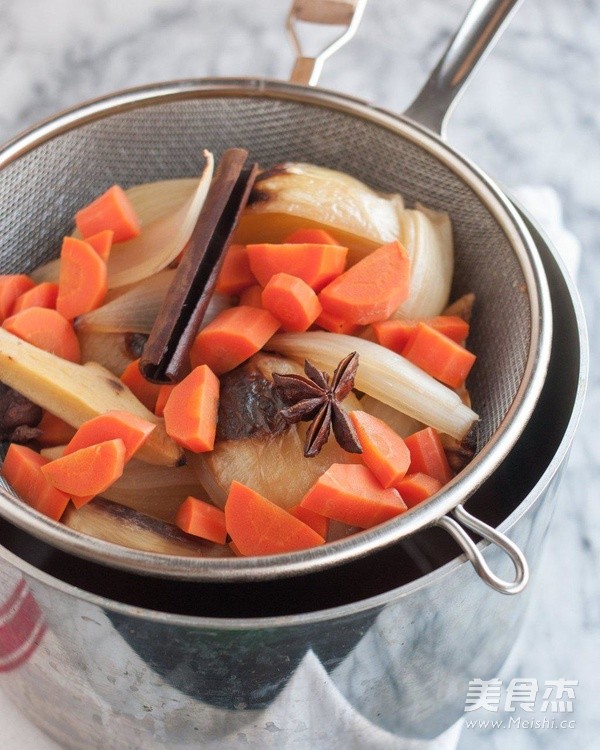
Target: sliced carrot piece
point(427, 455)
point(132, 430)
point(191, 410)
point(11, 288)
point(292, 301)
point(55, 431)
point(252, 296)
point(82, 282)
point(163, 397)
point(383, 450)
point(46, 329)
point(335, 324)
point(259, 527)
point(307, 236)
point(317, 264)
point(102, 243)
point(111, 210)
point(372, 289)
point(41, 295)
point(88, 471)
point(235, 274)
point(234, 548)
point(317, 523)
point(142, 389)
point(201, 519)
point(417, 487)
point(232, 337)
point(438, 355)
point(394, 334)
point(22, 468)
point(351, 493)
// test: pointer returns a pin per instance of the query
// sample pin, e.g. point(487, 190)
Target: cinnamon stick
point(165, 355)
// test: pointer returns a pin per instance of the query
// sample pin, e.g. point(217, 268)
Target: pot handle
point(473, 553)
point(345, 14)
point(479, 31)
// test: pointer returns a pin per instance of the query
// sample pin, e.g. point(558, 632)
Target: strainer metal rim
point(426, 514)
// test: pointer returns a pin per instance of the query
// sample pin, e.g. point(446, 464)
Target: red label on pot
point(21, 627)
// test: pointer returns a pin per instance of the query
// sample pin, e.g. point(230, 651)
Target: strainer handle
point(343, 14)
point(479, 31)
point(473, 553)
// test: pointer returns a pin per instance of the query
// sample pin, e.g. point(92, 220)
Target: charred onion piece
point(315, 399)
point(117, 524)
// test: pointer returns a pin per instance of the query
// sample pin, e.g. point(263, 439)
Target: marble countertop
point(531, 116)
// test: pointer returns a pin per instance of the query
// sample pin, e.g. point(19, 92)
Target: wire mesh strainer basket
point(159, 132)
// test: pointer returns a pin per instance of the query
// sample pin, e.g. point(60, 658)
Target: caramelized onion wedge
point(161, 241)
point(168, 211)
point(297, 194)
point(157, 491)
point(384, 375)
point(135, 311)
point(111, 350)
point(399, 422)
point(427, 237)
point(117, 524)
point(77, 393)
point(153, 200)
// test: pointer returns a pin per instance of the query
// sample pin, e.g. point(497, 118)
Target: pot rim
point(457, 490)
point(379, 600)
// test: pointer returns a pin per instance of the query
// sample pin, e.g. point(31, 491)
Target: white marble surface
point(531, 116)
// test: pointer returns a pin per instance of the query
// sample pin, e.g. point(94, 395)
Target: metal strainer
point(158, 132)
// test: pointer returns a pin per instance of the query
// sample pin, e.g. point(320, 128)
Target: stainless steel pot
point(409, 628)
point(157, 132)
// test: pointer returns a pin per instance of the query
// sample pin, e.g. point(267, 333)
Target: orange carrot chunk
point(233, 547)
point(132, 430)
point(383, 450)
point(427, 455)
point(259, 527)
point(11, 288)
point(417, 487)
point(46, 329)
point(102, 243)
point(83, 280)
point(394, 334)
point(372, 289)
point(292, 301)
point(88, 471)
point(252, 296)
point(111, 210)
point(191, 410)
point(307, 236)
point(22, 468)
point(55, 431)
point(438, 355)
point(316, 264)
point(317, 523)
point(163, 397)
point(41, 295)
point(235, 274)
point(201, 519)
point(335, 324)
point(142, 389)
point(232, 337)
point(351, 493)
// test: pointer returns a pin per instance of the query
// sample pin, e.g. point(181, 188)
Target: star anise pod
point(318, 399)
